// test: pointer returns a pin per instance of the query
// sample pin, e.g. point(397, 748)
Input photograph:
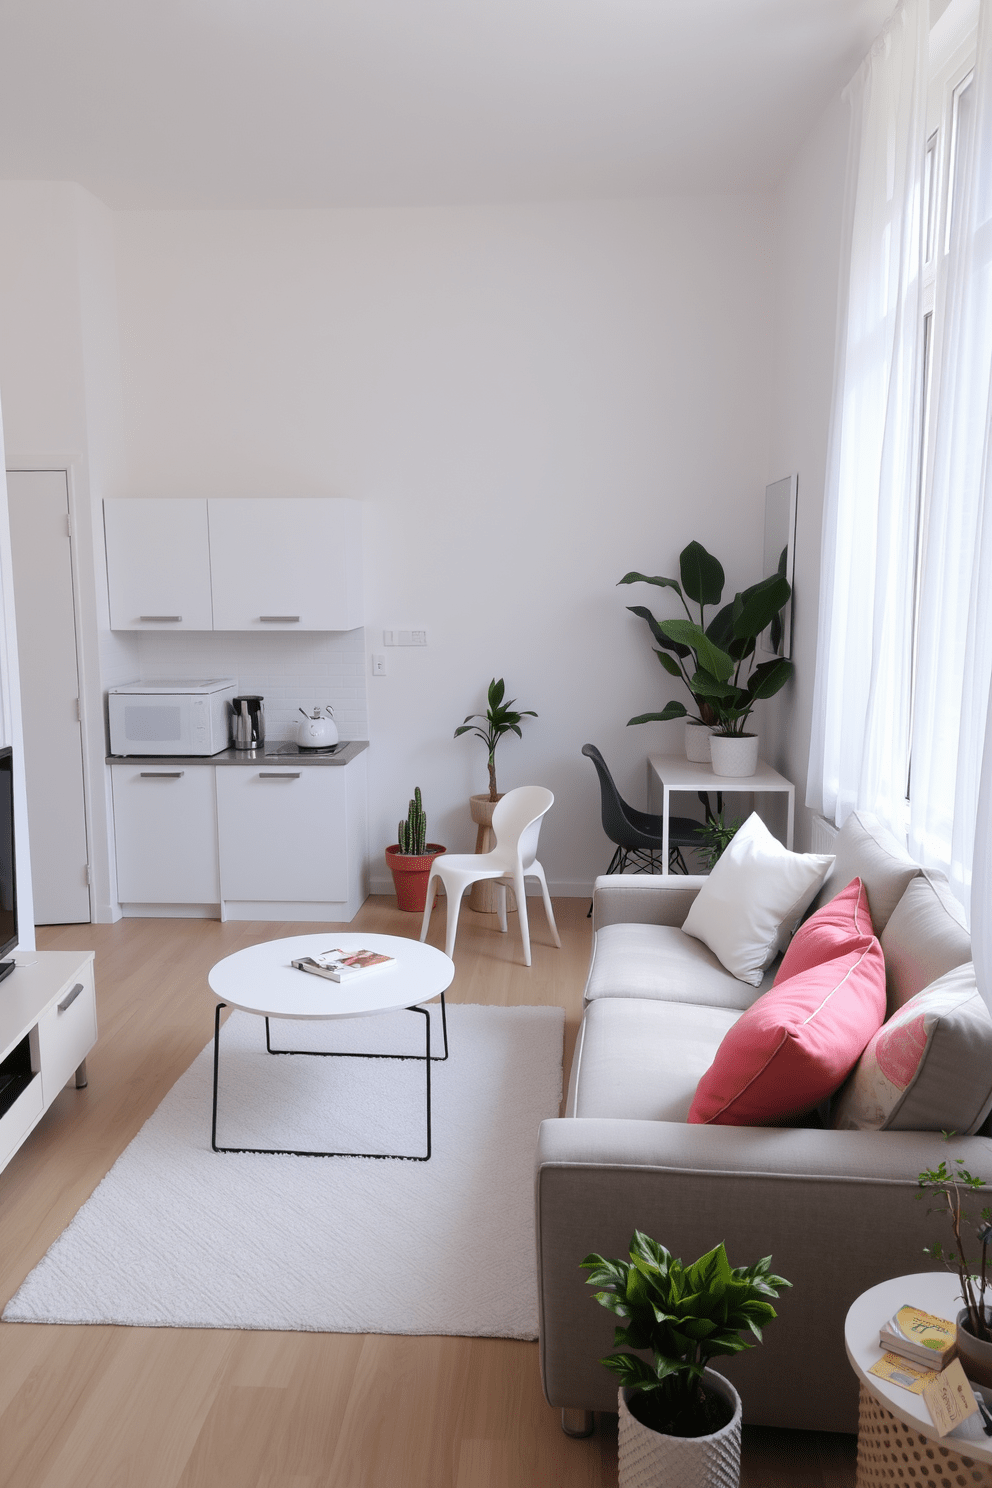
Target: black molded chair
point(636, 834)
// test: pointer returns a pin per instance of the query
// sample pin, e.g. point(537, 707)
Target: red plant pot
point(410, 874)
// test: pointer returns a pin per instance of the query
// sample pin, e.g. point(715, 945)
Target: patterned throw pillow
point(929, 1067)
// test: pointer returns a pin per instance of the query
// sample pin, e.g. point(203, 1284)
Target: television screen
point(8, 881)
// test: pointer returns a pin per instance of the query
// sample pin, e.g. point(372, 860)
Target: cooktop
point(288, 746)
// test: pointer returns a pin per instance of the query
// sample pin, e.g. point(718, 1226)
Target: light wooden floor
point(105, 1407)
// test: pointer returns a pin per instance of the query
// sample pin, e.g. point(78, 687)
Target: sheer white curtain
point(859, 746)
point(955, 646)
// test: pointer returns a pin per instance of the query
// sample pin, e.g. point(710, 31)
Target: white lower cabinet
point(165, 822)
point(253, 841)
point(47, 1028)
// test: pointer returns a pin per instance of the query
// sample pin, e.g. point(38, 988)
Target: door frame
point(85, 548)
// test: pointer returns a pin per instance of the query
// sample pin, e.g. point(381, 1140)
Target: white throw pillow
point(753, 900)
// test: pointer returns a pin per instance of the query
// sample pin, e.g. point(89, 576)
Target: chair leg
point(520, 893)
point(428, 905)
point(538, 873)
point(454, 907)
point(501, 904)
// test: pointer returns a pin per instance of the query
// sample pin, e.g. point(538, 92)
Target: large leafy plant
point(715, 660)
point(499, 719)
point(684, 1316)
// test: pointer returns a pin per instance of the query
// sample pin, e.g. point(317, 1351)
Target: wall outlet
point(378, 664)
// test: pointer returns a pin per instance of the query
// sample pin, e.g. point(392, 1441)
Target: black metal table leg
point(427, 1059)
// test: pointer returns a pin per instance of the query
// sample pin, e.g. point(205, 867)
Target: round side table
point(897, 1441)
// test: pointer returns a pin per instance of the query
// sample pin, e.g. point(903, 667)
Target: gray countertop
point(275, 752)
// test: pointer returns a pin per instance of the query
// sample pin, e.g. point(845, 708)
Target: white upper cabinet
point(158, 563)
point(253, 563)
point(286, 563)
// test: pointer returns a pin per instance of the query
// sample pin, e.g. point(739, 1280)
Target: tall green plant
point(412, 833)
point(715, 660)
point(683, 1315)
point(499, 719)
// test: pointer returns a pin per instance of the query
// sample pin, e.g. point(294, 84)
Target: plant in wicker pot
point(499, 719)
point(680, 1422)
point(410, 858)
point(950, 1189)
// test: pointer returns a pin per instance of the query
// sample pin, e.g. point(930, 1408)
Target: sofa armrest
point(837, 1211)
point(643, 898)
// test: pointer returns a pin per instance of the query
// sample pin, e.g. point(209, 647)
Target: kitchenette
point(235, 795)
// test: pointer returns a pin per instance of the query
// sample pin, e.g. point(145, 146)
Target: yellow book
point(920, 1336)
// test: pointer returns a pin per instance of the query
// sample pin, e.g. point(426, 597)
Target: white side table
point(672, 772)
point(897, 1440)
point(261, 979)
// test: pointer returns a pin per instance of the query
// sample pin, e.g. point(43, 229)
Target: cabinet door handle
point(162, 774)
point(70, 997)
point(280, 619)
point(160, 619)
point(279, 775)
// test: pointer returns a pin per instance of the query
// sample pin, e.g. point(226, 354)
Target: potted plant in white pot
point(500, 718)
point(411, 856)
point(680, 1421)
point(951, 1189)
point(715, 661)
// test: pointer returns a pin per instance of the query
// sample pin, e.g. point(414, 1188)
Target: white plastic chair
point(517, 826)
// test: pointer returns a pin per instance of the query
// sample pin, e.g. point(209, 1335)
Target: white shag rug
point(178, 1236)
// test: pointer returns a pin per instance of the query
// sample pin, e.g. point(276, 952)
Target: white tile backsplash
point(288, 671)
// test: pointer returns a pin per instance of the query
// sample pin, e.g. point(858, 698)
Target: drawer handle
point(280, 619)
point(70, 997)
point(160, 619)
point(278, 775)
point(162, 774)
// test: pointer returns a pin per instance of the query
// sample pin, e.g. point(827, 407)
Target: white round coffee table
point(261, 980)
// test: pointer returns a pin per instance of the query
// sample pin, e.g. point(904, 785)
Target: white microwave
point(171, 717)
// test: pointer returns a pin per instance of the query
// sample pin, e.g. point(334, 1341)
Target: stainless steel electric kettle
point(248, 722)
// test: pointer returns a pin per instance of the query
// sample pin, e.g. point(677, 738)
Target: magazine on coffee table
point(343, 966)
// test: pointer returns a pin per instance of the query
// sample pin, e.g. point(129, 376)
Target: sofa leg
point(577, 1422)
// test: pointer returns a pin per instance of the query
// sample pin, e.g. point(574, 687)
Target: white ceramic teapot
point(316, 731)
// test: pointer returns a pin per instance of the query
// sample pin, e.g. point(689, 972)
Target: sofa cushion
point(641, 1060)
point(865, 849)
point(841, 926)
point(662, 963)
point(925, 938)
point(752, 901)
point(796, 1045)
point(929, 1067)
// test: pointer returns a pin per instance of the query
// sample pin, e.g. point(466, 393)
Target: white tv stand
point(47, 1028)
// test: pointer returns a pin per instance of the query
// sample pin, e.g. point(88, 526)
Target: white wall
point(808, 242)
point(528, 400)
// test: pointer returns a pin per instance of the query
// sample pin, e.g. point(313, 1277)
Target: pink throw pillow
point(797, 1044)
point(842, 925)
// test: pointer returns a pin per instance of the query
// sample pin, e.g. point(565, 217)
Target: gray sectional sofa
point(837, 1209)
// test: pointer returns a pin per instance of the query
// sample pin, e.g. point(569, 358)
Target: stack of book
point(342, 966)
point(925, 1340)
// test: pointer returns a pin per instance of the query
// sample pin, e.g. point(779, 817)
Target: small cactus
point(412, 833)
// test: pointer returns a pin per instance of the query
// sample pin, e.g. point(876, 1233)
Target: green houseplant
point(682, 1316)
point(499, 719)
point(950, 1188)
point(410, 858)
point(715, 660)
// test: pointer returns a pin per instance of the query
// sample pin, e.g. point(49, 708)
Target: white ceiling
point(306, 103)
